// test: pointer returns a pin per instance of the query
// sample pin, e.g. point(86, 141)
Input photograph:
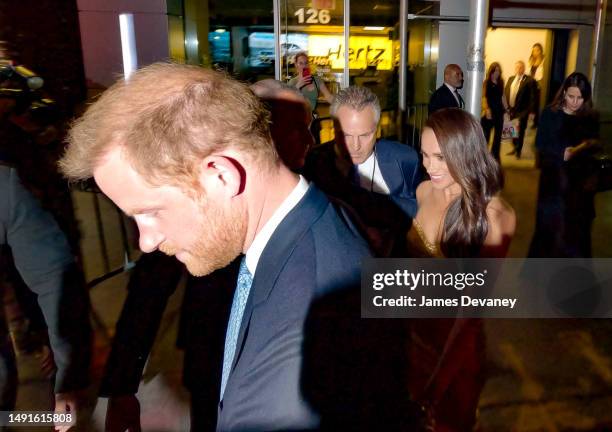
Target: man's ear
point(222, 175)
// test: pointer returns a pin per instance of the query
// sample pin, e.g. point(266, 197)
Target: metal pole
point(403, 29)
point(347, 31)
point(128, 44)
point(277, 46)
point(475, 55)
point(598, 33)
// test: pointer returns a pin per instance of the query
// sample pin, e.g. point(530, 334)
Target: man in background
point(291, 117)
point(520, 94)
point(376, 177)
point(447, 95)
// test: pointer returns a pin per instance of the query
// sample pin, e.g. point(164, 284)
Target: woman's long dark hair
point(492, 67)
point(579, 80)
point(472, 166)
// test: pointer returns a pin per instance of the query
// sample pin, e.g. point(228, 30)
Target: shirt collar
point(450, 87)
point(368, 162)
point(263, 236)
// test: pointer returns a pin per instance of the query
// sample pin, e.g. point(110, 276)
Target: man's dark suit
point(523, 105)
point(305, 294)
point(311, 254)
point(443, 98)
point(390, 215)
point(304, 357)
point(399, 166)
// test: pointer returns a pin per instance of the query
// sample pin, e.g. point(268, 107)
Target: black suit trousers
point(496, 123)
point(518, 142)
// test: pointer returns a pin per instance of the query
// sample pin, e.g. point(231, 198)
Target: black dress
point(494, 93)
point(565, 209)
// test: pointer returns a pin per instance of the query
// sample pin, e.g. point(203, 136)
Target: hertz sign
point(363, 51)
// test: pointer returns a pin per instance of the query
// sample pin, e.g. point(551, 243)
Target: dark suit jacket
point(303, 352)
point(442, 98)
point(312, 253)
point(383, 219)
point(399, 166)
point(525, 97)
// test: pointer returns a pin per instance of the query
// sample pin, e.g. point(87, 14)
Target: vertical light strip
point(277, 45)
point(479, 14)
point(403, 53)
point(347, 31)
point(598, 33)
point(128, 44)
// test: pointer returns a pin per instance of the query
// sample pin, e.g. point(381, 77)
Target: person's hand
point(123, 414)
point(568, 153)
point(488, 114)
point(67, 403)
point(303, 81)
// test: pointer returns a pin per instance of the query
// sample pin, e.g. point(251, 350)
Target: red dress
point(447, 357)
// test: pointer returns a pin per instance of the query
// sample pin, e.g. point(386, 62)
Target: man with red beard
point(187, 153)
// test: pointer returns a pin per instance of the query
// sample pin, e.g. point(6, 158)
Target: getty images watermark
point(488, 288)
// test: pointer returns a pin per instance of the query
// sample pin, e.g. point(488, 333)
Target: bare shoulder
point(501, 215)
point(502, 226)
point(423, 189)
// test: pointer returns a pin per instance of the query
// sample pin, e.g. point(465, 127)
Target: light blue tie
point(243, 287)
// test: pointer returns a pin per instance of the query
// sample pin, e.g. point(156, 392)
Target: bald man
point(291, 117)
point(447, 95)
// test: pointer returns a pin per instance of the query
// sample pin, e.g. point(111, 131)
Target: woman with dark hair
point(460, 215)
point(494, 106)
point(567, 137)
point(460, 212)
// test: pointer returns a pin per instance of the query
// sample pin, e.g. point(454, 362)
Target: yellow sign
point(324, 4)
point(364, 51)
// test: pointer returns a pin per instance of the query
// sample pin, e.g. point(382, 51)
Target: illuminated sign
point(363, 51)
point(312, 16)
point(324, 4)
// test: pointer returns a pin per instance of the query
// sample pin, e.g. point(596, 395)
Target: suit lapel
point(389, 167)
point(276, 253)
point(451, 96)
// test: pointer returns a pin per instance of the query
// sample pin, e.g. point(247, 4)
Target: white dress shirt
point(454, 92)
point(514, 89)
point(370, 176)
point(263, 236)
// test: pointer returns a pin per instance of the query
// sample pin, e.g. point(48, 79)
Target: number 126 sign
point(313, 16)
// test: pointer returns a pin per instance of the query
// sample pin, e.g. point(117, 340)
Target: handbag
point(510, 128)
